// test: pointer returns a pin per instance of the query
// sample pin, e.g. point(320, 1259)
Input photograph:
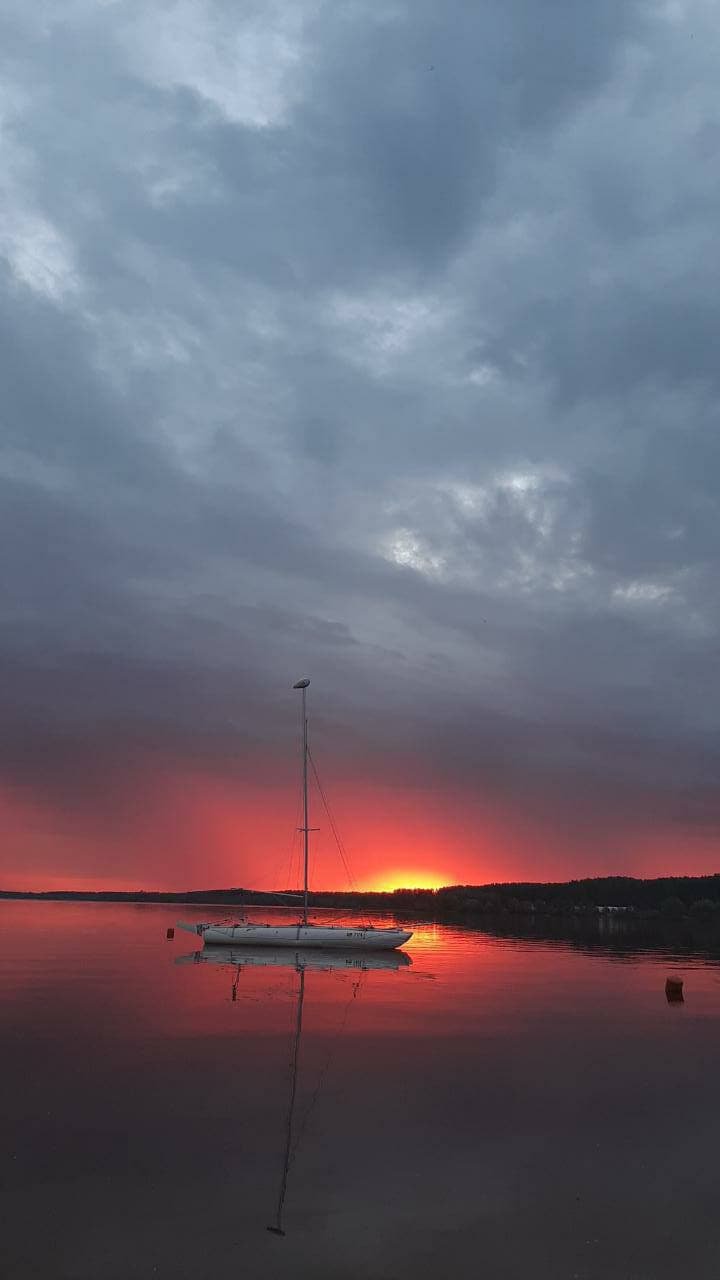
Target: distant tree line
point(674, 897)
point(668, 897)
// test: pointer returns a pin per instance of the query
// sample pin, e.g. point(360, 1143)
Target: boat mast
point(303, 684)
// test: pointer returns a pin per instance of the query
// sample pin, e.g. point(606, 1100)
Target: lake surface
point(495, 1107)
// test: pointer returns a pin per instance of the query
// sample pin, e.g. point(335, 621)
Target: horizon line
point(419, 888)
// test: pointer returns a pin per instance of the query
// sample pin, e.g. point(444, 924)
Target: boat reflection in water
point(305, 958)
point(302, 960)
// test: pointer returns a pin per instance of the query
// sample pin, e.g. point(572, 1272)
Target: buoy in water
point(170, 934)
point(674, 990)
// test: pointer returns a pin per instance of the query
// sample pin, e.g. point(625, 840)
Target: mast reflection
point(277, 1227)
point(302, 961)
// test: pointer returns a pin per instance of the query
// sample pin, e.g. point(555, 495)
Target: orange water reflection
point(118, 954)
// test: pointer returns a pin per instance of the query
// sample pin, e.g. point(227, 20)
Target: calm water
point(496, 1107)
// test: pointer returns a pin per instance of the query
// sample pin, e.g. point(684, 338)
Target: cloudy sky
point(376, 343)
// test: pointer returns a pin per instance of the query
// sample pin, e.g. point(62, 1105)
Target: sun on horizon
point(390, 881)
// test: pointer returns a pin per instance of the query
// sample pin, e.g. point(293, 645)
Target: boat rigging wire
point(333, 826)
point(294, 845)
point(322, 1075)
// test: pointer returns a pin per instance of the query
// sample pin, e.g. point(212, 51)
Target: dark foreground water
point(496, 1108)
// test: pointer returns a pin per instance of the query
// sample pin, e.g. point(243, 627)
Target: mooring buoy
point(674, 990)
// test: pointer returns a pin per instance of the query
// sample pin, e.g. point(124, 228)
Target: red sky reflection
point(134, 1080)
point(117, 957)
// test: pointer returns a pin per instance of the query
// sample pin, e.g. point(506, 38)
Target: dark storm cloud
point(373, 342)
point(415, 108)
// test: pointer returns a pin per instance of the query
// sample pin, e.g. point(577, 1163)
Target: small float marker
point(170, 934)
point(674, 990)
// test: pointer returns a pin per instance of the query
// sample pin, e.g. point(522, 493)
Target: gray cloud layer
point(377, 342)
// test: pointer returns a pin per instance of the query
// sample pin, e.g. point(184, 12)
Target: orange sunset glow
point(407, 878)
point(188, 830)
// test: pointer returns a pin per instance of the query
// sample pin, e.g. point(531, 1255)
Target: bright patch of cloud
point(643, 593)
point(240, 59)
point(38, 255)
point(380, 330)
point(409, 550)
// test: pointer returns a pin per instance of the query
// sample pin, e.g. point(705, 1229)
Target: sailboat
point(303, 933)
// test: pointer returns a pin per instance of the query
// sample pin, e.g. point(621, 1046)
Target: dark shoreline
point(659, 907)
point(672, 895)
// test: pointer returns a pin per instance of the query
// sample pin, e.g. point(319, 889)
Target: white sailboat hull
point(333, 937)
